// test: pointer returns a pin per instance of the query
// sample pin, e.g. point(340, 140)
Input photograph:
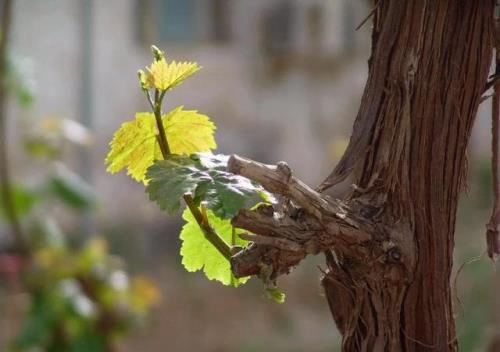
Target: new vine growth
point(171, 154)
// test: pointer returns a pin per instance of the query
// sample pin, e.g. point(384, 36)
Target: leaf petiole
point(202, 221)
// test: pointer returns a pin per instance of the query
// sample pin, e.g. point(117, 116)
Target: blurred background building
point(282, 79)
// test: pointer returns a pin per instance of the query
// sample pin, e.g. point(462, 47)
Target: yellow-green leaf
point(165, 75)
point(276, 294)
point(188, 131)
point(198, 253)
point(135, 147)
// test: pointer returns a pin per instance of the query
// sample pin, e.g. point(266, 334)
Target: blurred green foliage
point(23, 200)
point(19, 80)
point(474, 275)
point(80, 299)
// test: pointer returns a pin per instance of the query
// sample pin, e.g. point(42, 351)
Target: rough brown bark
point(493, 226)
point(389, 243)
point(429, 66)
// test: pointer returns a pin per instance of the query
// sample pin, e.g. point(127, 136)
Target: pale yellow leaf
point(164, 76)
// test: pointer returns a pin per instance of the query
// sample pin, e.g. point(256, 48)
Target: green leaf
point(87, 341)
point(276, 294)
point(19, 80)
point(169, 180)
point(45, 232)
point(198, 253)
point(134, 145)
point(204, 176)
point(25, 96)
point(23, 200)
point(40, 147)
point(38, 323)
point(70, 188)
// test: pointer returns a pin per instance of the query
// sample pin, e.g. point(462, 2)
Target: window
point(176, 20)
point(277, 37)
point(221, 22)
point(183, 21)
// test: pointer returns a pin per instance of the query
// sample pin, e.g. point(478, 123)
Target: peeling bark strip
point(389, 243)
point(493, 231)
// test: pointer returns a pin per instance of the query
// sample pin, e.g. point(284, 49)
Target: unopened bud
point(142, 79)
point(157, 53)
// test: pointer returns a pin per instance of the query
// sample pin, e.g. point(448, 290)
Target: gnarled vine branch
point(311, 223)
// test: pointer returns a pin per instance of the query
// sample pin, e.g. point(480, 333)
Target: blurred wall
point(281, 79)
